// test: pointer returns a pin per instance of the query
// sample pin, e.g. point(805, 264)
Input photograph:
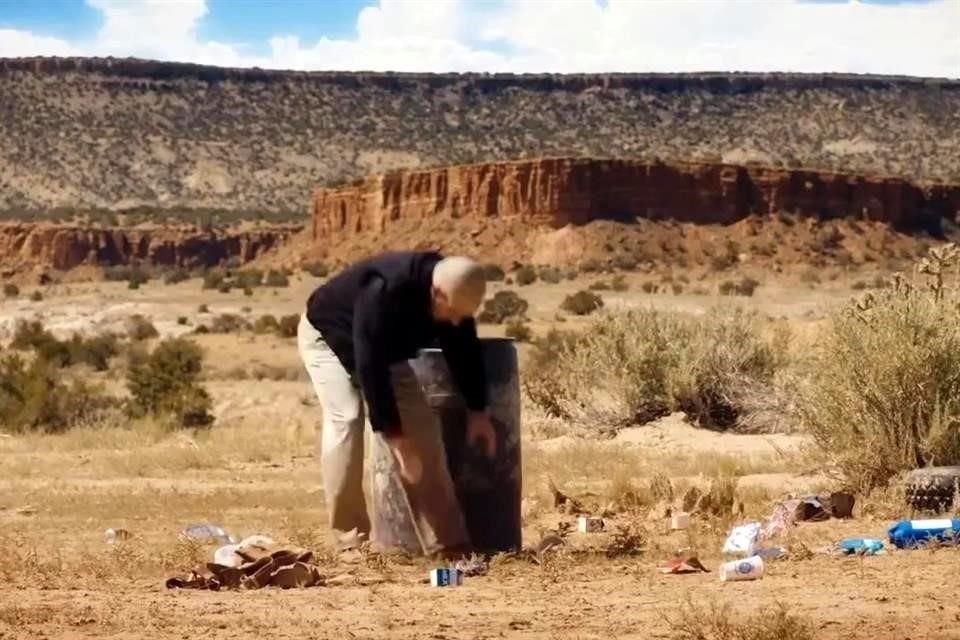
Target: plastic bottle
point(865, 546)
point(207, 531)
point(911, 533)
point(747, 569)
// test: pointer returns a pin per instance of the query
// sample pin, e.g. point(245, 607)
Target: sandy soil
point(257, 473)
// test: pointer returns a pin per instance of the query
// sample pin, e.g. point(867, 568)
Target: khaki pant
point(435, 510)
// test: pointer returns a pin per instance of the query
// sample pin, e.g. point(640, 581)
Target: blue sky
point(911, 37)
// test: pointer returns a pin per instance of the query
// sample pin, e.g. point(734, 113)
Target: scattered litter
point(112, 535)
point(742, 539)
point(908, 534)
point(683, 561)
point(255, 547)
point(284, 568)
point(446, 577)
point(563, 502)
point(747, 569)
point(770, 553)
point(227, 556)
point(861, 546)
point(206, 531)
point(589, 524)
point(680, 521)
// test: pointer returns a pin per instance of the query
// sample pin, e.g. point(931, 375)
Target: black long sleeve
point(373, 367)
point(461, 348)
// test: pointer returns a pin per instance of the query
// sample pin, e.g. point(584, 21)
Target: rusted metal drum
point(489, 490)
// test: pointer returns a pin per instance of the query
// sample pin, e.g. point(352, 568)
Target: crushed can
point(446, 577)
point(589, 524)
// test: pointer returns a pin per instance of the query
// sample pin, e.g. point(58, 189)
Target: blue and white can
point(446, 577)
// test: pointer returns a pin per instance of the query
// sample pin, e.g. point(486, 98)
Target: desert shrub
point(317, 269)
point(266, 324)
point(649, 287)
point(35, 397)
point(743, 287)
point(582, 303)
point(625, 262)
point(203, 309)
point(36, 296)
point(551, 275)
point(591, 265)
point(503, 305)
point(525, 276)
point(493, 273)
point(175, 276)
point(228, 323)
point(859, 285)
point(183, 320)
point(725, 257)
point(31, 334)
point(599, 285)
point(726, 622)
point(213, 279)
point(95, 351)
point(620, 284)
point(225, 286)
point(518, 330)
point(884, 392)
point(247, 291)
point(277, 279)
point(11, 290)
point(249, 279)
point(139, 328)
point(288, 325)
point(166, 384)
point(630, 367)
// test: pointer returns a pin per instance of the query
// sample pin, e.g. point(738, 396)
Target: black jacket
point(378, 312)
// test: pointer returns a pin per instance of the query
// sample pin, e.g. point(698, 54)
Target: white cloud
point(556, 36)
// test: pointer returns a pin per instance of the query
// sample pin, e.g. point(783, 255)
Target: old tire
point(932, 488)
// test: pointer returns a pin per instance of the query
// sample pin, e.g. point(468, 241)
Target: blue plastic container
point(907, 534)
point(865, 546)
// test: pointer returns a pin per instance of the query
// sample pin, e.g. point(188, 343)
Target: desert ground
point(256, 471)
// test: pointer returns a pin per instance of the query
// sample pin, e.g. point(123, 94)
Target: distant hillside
point(115, 135)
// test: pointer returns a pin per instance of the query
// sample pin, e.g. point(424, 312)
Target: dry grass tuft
point(723, 622)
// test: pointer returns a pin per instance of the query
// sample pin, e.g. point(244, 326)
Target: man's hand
point(479, 427)
point(411, 466)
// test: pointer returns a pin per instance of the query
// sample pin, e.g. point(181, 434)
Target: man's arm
point(461, 348)
point(372, 368)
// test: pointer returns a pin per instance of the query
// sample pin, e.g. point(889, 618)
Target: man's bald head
point(459, 286)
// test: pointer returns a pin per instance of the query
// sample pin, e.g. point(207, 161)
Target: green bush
point(493, 273)
point(582, 303)
point(551, 275)
point(175, 276)
point(11, 290)
point(277, 279)
point(166, 384)
point(95, 351)
point(883, 392)
point(139, 328)
point(288, 325)
point(743, 287)
point(213, 279)
point(504, 304)
point(266, 324)
point(228, 323)
point(525, 276)
point(317, 269)
point(631, 367)
point(35, 397)
point(518, 330)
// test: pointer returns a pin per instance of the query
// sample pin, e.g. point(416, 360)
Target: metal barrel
point(489, 490)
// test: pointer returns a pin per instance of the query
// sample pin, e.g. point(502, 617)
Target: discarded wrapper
point(589, 524)
point(679, 521)
point(683, 564)
point(446, 577)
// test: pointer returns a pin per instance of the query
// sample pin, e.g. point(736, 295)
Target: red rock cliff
point(64, 247)
point(561, 191)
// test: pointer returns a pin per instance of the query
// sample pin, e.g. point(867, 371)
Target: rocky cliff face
point(112, 134)
point(24, 246)
point(575, 191)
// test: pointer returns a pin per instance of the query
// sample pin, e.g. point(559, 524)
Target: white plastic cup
point(746, 569)
point(589, 524)
point(680, 521)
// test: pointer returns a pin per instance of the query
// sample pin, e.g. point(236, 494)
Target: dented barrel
point(489, 490)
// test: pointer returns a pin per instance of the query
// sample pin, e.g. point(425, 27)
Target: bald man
point(355, 338)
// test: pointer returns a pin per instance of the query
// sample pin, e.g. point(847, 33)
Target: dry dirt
point(256, 472)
